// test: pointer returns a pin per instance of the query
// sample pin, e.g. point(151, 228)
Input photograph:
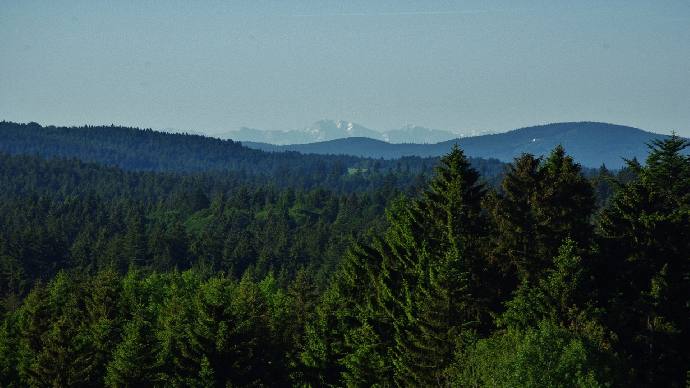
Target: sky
point(215, 66)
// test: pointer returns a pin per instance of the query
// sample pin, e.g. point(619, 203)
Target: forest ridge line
point(592, 144)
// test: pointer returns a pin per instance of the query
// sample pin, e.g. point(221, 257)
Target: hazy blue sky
point(216, 66)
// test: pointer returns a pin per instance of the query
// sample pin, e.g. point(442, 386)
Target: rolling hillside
point(590, 143)
point(136, 149)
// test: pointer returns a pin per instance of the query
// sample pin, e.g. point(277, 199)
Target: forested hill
point(149, 150)
point(145, 149)
point(136, 278)
point(590, 143)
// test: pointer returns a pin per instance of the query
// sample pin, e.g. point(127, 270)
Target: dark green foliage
point(114, 219)
point(514, 217)
point(604, 183)
point(444, 298)
point(540, 205)
point(328, 354)
point(131, 278)
point(54, 343)
point(173, 329)
point(9, 353)
point(645, 234)
point(148, 150)
point(418, 288)
point(565, 204)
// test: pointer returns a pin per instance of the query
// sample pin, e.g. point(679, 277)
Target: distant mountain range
point(326, 130)
point(590, 143)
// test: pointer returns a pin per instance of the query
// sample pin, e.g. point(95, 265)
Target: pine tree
point(365, 364)
point(176, 312)
point(33, 320)
point(323, 344)
point(293, 310)
point(81, 252)
point(231, 329)
point(550, 334)
point(604, 186)
point(12, 280)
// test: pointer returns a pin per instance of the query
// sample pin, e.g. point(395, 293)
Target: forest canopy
point(125, 273)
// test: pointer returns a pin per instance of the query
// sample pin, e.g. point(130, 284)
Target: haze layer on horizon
point(215, 66)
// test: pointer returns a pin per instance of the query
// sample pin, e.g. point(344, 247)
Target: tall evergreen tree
point(54, 346)
point(449, 298)
point(540, 205)
point(135, 361)
point(428, 271)
point(646, 239)
point(103, 320)
point(332, 355)
point(565, 204)
point(515, 251)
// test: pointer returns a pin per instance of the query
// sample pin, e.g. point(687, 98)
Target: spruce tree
point(428, 271)
point(564, 206)
point(514, 218)
point(9, 357)
point(54, 346)
point(646, 237)
point(448, 299)
point(541, 204)
point(332, 352)
point(565, 296)
point(103, 320)
point(135, 361)
point(134, 250)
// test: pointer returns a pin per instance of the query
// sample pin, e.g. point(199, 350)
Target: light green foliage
point(365, 364)
point(547, 355)
point(135, 360)
point(561, 296)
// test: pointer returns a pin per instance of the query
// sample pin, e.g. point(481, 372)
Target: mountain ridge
point(325, 130)
point(590, 143)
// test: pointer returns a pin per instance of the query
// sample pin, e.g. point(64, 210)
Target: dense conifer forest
point(134, 149)
point(137, 258)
